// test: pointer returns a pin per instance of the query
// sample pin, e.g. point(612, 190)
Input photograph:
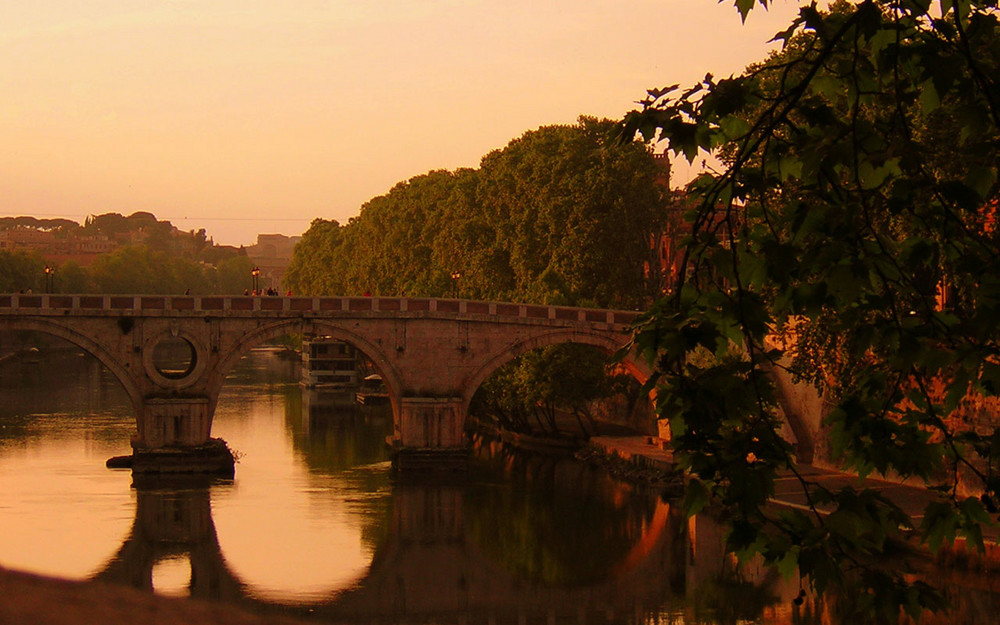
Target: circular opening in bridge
point(174, 357)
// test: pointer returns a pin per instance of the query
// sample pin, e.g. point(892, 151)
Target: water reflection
point(332, 433)
point(468, 552)
point(173, 522)
point(68, 394)
point(296, 522)
point(59, 415)
point(541, 501)
point(439, 553)
point(313, 524)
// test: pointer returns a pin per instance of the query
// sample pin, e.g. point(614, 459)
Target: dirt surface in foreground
point(32, 600)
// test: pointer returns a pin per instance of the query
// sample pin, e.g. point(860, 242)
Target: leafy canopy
point(849, 240)
point(561, 215)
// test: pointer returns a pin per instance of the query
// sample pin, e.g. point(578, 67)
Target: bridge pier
point(430, 434)
point(173, 422)
point(174, 437)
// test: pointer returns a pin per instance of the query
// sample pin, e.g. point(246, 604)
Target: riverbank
point(27, 599)
point(634, 458)
point(643, 459)
point(619, 450)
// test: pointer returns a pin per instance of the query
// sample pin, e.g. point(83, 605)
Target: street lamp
point(49, 278)
point(255, 272)
point(455, 276)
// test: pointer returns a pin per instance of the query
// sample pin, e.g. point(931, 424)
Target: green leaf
point(981, 179)
point(733, 127)
point(744, 7)
point(939, 525)
point(696, 497)
point(929, 99)
point(827, 85)
point(873, 176)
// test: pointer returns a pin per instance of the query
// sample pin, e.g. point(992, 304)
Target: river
point(315, 525)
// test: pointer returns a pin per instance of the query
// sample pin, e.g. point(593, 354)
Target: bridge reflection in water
point(174, 520)
point(455, 552)
point(522, 540)
point(519, 540)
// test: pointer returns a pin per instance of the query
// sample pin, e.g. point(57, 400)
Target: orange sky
point(250, 116)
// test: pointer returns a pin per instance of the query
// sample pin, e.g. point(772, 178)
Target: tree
point(570, 215)
point(568, 378)
point(129, 270)
point(139, 269)
point(843, 234)
point(20, 271)
point(392, 239)
point(216, 254)
point(232, 275)
point(528, 393)
point(70, 277)
point(316, 267)
point(561, 215)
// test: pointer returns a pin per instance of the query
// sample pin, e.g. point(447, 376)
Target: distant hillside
point(113, 253)
point(63, 240)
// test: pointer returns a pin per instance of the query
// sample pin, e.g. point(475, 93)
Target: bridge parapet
point(247, 306)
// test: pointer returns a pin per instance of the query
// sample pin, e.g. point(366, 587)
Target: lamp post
point(49, 278)
point(455, 276)
point(255, 272)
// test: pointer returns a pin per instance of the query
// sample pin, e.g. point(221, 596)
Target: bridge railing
point(281, 306)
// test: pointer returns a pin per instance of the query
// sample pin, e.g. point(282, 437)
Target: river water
point(314, 525)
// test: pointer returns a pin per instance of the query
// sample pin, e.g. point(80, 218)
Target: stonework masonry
point(432, 353)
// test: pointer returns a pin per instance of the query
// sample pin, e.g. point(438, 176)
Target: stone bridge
point(432, 354)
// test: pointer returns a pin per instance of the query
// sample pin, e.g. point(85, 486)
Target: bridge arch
point(391, 376)
point(601, 341)
point(556, 337)
point(115, 365)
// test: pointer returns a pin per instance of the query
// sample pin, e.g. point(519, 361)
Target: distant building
point(26, 239)
point(662, 269)
point(56, 248)
point(663, 160)
point(62, 240)
point(272, 254)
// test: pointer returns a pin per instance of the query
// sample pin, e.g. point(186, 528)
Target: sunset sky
point(256, 116)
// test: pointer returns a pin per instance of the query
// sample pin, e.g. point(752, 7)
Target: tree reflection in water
point(519, 539)
point(540, 539)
